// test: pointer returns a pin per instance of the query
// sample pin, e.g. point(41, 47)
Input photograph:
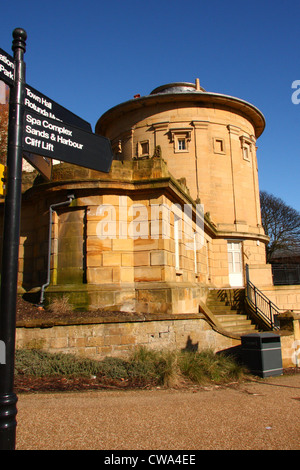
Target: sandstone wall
point(118, 339)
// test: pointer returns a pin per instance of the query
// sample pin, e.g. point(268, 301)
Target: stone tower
point(207, 139)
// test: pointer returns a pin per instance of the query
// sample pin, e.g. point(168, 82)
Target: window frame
point(181, 134)
point(221, 151)
point(140, 151)
point(181, 144)
point(246, 144)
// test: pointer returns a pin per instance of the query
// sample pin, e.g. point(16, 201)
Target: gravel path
point(250, 416)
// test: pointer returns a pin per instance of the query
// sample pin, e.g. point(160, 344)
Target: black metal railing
point(262, 306)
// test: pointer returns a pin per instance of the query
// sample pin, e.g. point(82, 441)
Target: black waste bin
point(261, 353)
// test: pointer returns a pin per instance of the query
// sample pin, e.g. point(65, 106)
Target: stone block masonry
point(116, 337)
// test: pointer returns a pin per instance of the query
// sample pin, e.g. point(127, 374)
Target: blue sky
point(92, 55)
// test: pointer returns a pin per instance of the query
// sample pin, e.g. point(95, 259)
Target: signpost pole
point(11, 235)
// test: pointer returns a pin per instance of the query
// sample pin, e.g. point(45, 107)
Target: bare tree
point(281, 223)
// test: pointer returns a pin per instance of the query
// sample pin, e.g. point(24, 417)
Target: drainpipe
point(52, 208)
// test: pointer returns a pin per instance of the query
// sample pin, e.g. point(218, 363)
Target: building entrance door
point(235, 264)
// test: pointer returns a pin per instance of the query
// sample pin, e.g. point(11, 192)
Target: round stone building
point(129, 239)
point(208, 141)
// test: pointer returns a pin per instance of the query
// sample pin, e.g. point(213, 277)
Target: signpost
point(48, 131)
point(10, 249)
point(6, 68)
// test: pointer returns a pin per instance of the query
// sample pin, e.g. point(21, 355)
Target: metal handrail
point(263, 306)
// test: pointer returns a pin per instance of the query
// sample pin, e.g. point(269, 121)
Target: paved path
point(252, 416)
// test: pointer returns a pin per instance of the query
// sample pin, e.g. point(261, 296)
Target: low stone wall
point(118, 338)
point(290, 338)
point(284, 297)
point(290, 351)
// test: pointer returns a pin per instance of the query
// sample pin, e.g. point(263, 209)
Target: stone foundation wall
point(290, 351)
point(118, 339)
point(142, 297)
point(284, 297)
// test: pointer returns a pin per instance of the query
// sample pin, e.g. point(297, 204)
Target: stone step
point(217, 302)
point(236, 328)
point(222, 311)
point(241, 332)
point(235, 322)
point(249, 327)
point(220, 293)
point(225, 308)
point(232, 318)
point(225, 299)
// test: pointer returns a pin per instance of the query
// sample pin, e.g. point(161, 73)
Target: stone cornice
point(203, 99)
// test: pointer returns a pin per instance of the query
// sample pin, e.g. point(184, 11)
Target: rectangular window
point(195, 253)
point(145, 148)
point(246, 152)
point(176, 241)
point(181, 137)
point(219, 145)
point(246, 148)
point(142, 149)
point(181, 144)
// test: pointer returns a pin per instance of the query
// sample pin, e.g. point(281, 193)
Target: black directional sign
point(54, 139)
point(6, 68)
point(41, 104)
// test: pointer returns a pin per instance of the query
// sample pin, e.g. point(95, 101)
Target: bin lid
point(264, 334)
point(260, 338)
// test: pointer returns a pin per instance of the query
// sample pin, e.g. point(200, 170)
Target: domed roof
point(178, 87)
point(179, 92)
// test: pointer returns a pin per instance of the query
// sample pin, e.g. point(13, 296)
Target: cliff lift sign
point(37, 102)
point(41, 127)
point(55, 139)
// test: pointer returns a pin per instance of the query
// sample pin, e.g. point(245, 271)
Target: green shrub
point(168, 368)
point(40, 364)
point(160, 366)
point(206, 366)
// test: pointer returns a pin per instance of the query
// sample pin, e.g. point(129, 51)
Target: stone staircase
point(228, 308)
